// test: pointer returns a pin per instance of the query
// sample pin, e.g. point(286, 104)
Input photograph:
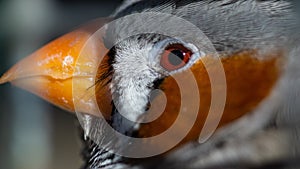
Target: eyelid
point(165, 61)
point(158, 49)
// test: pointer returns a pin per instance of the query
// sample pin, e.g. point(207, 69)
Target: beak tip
point(7, 77)
point(4, 78)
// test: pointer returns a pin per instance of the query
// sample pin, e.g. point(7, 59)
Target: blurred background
point(33, 133)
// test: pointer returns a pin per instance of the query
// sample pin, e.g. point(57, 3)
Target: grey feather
point(230, 25)
point(270, 135)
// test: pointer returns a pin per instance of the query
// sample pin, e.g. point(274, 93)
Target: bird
point(236, 57)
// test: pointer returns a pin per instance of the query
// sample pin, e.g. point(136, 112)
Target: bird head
point(129, 77)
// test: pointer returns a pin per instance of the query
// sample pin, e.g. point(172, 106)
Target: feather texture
point(267, 137)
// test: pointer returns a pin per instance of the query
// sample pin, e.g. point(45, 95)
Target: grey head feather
point(230, 25)
point(125, 4)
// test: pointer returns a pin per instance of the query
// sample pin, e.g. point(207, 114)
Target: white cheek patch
point(129, 100)
point(132, 79)
point(136, 67)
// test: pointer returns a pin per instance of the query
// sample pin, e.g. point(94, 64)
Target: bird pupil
point(176, 57)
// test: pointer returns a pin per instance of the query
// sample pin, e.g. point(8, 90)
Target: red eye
point(175, 56)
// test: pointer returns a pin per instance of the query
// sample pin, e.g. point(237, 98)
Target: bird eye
point(175, 56)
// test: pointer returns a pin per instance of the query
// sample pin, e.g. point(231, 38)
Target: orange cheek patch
point(249, 81)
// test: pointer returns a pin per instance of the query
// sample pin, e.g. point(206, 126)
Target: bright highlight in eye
point(175, 56)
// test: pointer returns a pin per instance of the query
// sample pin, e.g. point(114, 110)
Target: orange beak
point(51, 71)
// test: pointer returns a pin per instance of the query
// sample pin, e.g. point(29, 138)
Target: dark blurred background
point(33, 133)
